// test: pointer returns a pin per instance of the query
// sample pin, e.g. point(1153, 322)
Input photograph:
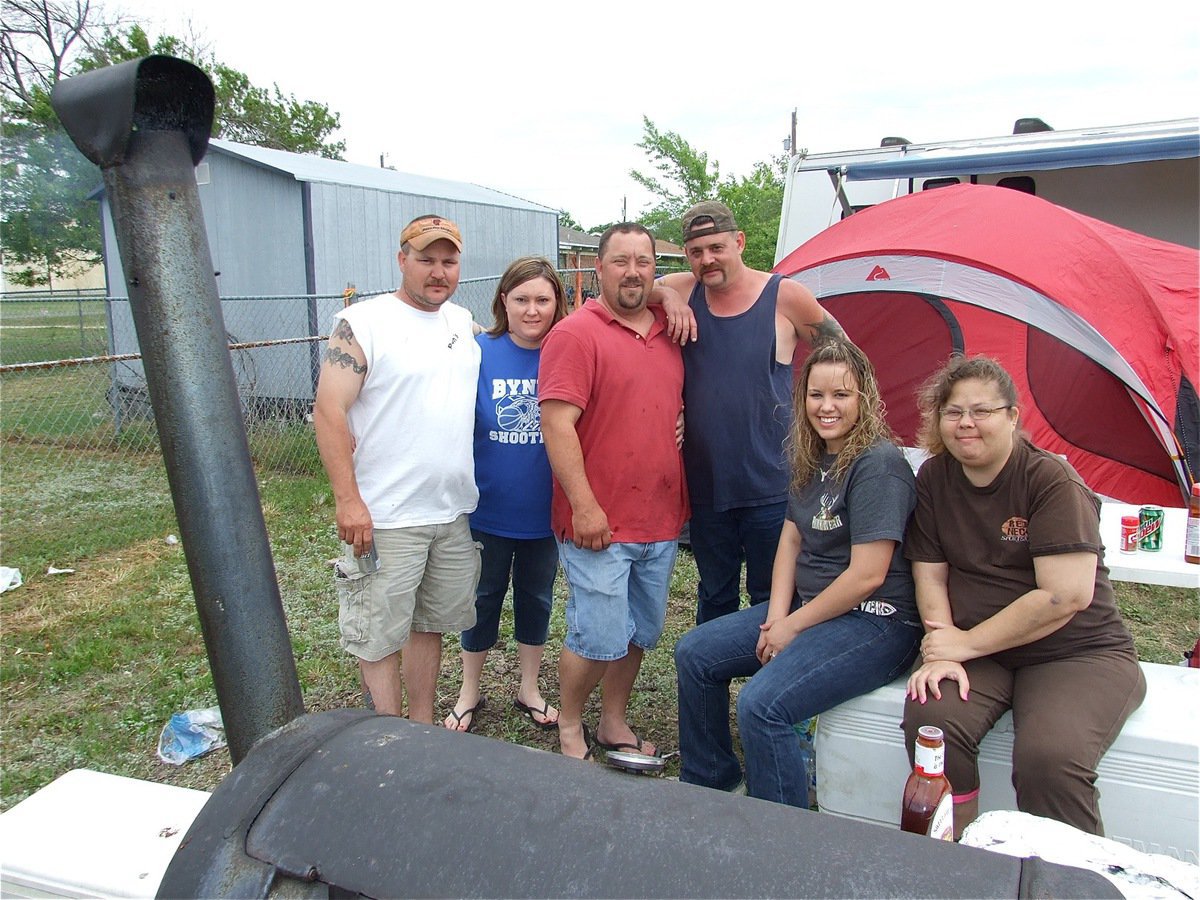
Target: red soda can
point(1129, 534)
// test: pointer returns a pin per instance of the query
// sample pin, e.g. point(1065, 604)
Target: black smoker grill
point(346, 803)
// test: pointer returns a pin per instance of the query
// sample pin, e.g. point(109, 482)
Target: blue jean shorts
point(616, 597)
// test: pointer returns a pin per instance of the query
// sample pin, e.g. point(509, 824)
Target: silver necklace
point(828, 498)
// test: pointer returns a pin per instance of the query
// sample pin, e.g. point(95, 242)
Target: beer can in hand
point(1150, 525)
point(368, 563)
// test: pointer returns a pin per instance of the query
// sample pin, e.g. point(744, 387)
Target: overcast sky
point(545, 100)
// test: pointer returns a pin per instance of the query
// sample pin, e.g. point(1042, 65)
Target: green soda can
point(1150, 522)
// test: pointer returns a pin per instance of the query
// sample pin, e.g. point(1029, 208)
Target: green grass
point(67, 505)
point(32, 331)
point(92, 664)
point(53, 405)
point(73, 408)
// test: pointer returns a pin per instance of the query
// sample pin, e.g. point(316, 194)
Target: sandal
point(458, 717)
point(544, 712)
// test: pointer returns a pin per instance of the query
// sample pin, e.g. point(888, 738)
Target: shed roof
point(666, 248)
point(573, 237)
point(305, 167)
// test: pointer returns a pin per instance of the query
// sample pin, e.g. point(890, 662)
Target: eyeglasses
point(977, 413)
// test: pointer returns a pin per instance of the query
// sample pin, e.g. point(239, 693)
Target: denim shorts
point(530, 565)
point(616, 597)
point(426, 582)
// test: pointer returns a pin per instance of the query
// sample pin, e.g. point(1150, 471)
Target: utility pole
point(789, 143)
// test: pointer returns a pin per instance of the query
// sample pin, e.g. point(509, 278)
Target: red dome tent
point(1097, 325)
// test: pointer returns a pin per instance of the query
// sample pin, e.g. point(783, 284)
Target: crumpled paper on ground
point(190, 734)
point(1137, 875)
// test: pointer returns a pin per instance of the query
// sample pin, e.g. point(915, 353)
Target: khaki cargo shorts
point(426, 582)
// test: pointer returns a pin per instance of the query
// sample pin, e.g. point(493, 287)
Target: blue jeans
point(616, 597)
point(720, 543)
point(824, 666)
point(532, 564)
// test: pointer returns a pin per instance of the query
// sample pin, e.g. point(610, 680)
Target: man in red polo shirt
point(611, 389)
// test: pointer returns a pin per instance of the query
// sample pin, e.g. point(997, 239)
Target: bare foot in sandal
point(464, 721)
point(540, 712)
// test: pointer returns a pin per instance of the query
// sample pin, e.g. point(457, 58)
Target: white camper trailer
point(1140, 177)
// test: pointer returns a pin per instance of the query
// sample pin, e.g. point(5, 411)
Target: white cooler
point(88, 834)
point(1149, 779)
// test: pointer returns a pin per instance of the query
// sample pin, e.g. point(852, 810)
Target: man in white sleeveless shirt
point(394, 418)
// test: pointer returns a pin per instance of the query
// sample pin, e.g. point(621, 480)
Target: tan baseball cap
point(420, 233)
point(705, 218)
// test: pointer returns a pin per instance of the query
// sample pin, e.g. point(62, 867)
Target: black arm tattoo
point(826, 330)
point(343, 332)
point(341, 358)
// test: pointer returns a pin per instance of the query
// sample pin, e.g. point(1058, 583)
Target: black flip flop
point(458, 717)
point(544, 712)
point(589, 742)
point(624, 746)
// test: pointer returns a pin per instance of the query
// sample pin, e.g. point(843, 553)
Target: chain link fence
point(72, 381)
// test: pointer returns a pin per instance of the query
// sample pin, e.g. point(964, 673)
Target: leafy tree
point(684, 178)
point(566, 220)
point(49, 230)
point(48, 227)
point(687, 177)
point(756, 202)
point(244, 112)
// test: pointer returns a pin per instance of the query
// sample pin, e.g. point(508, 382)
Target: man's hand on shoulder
point(669, 290)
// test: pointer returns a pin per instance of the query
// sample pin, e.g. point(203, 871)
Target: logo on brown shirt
point(1015, 529)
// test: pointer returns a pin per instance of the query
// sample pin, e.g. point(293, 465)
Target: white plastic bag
point(190, 734)
point(10, 578)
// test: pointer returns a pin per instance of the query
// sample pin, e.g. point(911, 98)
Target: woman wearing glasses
point(1018, 610)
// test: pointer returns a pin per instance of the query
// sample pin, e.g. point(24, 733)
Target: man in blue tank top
point(737, 404)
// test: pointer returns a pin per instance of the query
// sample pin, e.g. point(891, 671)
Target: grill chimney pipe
point(146, 124)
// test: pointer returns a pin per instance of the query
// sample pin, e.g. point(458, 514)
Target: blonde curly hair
point(804, 446)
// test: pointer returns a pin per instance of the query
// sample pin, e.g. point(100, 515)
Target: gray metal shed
point(286, 228)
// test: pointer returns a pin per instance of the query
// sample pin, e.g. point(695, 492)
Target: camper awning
point(972, 161)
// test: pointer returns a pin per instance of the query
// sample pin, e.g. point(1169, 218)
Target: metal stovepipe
point(146, 124)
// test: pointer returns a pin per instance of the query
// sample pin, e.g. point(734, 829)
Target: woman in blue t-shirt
point(512, 521)
point(841, 619)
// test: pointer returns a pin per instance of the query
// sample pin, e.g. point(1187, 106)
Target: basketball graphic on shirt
point(518, 412)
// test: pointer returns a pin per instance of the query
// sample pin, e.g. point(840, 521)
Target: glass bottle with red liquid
point(928, 806)
point(1191, 541)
